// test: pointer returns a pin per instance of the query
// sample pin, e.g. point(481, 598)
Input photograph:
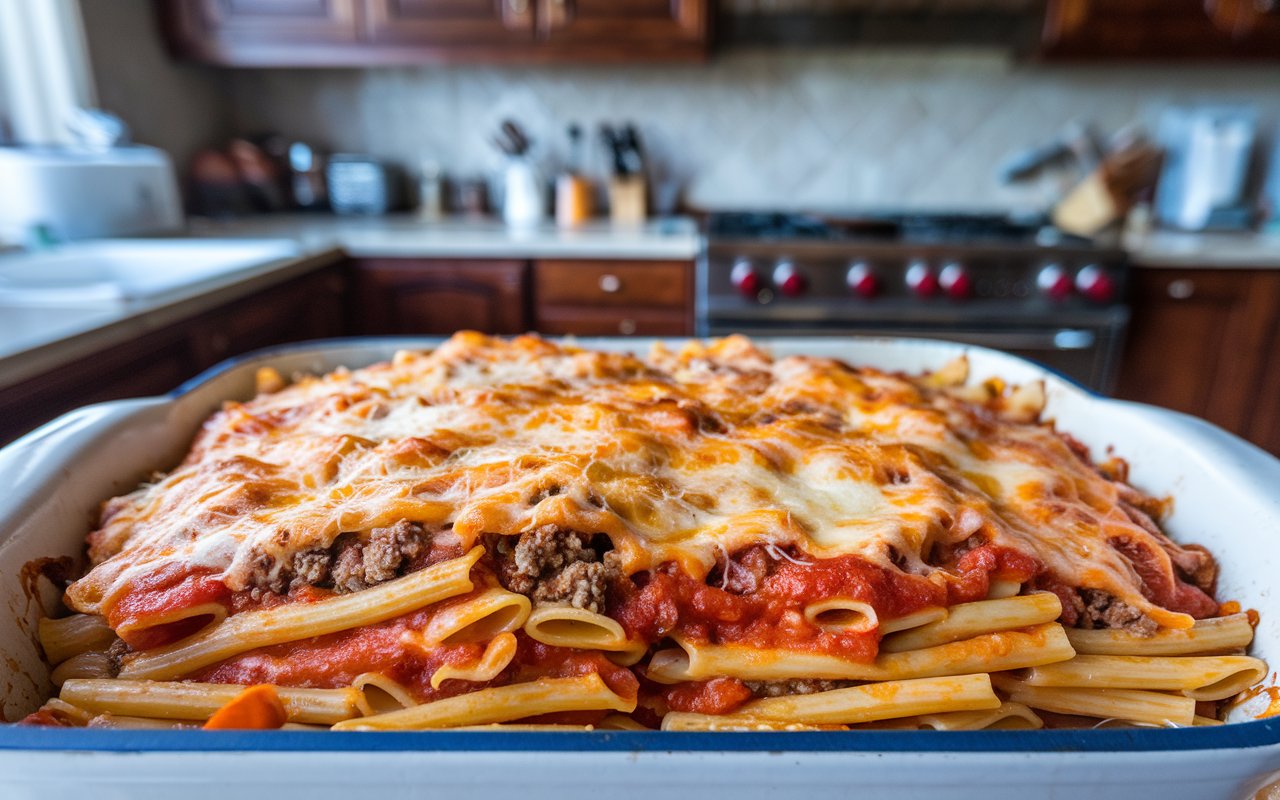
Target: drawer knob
point(1182, 288)
point(610, 284)
point(627, 327)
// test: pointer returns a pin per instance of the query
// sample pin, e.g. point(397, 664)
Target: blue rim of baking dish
point(1231, 736)
point(1222, 737)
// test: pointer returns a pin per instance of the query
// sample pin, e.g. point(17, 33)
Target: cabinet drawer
point(580, 321)
point(661, 284)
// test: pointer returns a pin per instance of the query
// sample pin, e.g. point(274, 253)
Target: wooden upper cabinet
point(652, 23)
point(446, 23)
point(261, 32)
point(318, 33)
point(1162, 29)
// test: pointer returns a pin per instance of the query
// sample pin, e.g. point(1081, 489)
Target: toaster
point(362, 185)
point(64, 194)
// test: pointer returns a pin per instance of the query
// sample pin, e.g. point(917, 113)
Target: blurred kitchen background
point(1086, 183)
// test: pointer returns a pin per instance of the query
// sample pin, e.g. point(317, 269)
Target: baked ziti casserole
point(517, 534)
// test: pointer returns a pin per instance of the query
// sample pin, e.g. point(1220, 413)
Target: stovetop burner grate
point(913, 227)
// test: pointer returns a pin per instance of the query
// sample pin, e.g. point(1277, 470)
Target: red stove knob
point(955, 281)
point(862, 280)
point(788, 280)
point(1096, 284)
point(921, 280)
point(1054, 282)
point(746, 278)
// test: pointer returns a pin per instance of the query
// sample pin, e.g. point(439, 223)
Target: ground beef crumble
point(744, 572)
point(794, 686)
point(1099, 609)
point(552, 565)
point(352, 563)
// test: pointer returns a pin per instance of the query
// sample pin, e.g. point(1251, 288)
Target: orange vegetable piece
point(256, 708)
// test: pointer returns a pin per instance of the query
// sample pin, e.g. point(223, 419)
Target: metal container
point(363, 185)
point(56, 476)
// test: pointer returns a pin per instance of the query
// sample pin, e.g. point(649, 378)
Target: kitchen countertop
point(36, 339)
point(1246, 250)
point(409, 236)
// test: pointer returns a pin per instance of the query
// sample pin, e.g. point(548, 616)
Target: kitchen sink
point(117, 271)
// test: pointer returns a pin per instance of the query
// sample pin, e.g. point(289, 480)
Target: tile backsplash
point(772, 128)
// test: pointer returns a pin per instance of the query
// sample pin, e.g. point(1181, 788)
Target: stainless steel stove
point(1013, 284)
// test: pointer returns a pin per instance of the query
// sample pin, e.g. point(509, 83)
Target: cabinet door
point(1200, 342)
point(449, 23)
point(643, 24)
point(1161, 29)
point(305, 308)
point(608, 298)
point(414, 296)
point(152, 364)
point(261, 32)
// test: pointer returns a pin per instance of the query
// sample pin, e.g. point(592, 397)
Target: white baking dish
point(1227, 498)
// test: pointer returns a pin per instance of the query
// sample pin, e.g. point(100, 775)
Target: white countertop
point(409, 236)
point(35, 339)
point(1207, 250)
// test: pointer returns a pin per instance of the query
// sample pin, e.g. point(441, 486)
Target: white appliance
point(59, 194)
point(1208, 156)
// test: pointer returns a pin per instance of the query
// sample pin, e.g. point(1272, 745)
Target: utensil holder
point(524, 203)
point(628, 199)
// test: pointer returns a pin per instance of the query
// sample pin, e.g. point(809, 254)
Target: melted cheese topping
point(681, 457)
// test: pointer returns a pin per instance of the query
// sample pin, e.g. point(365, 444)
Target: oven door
point(1088, 355)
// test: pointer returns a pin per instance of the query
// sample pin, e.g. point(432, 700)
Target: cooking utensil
point(573, 191)
point(511, 139)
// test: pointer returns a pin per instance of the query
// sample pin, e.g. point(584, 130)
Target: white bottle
point(524, 203)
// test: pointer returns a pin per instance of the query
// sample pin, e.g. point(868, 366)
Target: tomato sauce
point(172, 587)
point(1163, 589)
point(335, 660)
point(536, 660)
point(977, 568)
point(45, 718)
point(669, 602)
point(716, 696)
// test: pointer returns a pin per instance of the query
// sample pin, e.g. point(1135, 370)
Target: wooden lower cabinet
point(1206, 342)
point(432, 296)
point(554, 297)
point(309, 307)
point(613, 298)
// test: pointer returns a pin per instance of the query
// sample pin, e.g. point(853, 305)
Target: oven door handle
point(1049, 340)
point(1058, 340)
